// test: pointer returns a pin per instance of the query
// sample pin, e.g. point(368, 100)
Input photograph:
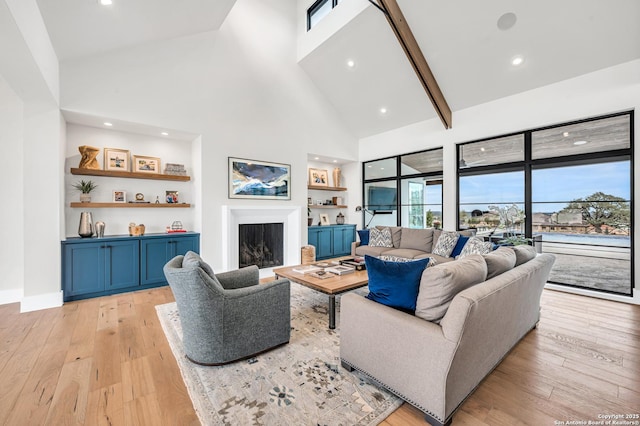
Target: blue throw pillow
point(462, 240)
point(395, 284)
point(364, 237)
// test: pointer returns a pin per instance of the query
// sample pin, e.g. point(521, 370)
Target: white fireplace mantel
point(233, 216)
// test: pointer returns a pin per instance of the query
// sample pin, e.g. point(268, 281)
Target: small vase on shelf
point(85, 229)
point(337, 176)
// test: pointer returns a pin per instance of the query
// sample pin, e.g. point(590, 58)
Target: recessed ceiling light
point(383, 110)
point(164, 134)
point(565, 134)
point(580, 142)
point(482, 149)
point(316, 158)
point(106, 123)
point(351, 64)
point(106, 2)
point(335, 161)
point(517, 60)
point(507, 21)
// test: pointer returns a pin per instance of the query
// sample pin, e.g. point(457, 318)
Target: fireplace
point(233, 216)
point(261, 244)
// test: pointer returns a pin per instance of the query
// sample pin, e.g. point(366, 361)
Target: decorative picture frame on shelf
point(318, 177)
point(171, 197)
point(119, 196)
point(259, 179)
point(144, 164)
point(324, 219)
point(116, 159)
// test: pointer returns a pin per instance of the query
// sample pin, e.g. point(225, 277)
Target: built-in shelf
point(327, 188)
point(130, 175)
point(130, 205)
point(326, 206)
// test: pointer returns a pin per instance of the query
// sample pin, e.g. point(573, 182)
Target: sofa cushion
point(440, 284)
point(371, 251)
point(462, 240)
point(193, 260)
point(364, 236)
point(396, 234)
point(438, 259)
point(394, 284)
point(417, 239)
point(407, 253)
point(501, 260)
point(446, 243)
point(524, 253)
point(475, 245)
point(380, 237)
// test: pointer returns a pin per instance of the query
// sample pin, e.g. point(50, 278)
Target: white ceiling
point(469, 56)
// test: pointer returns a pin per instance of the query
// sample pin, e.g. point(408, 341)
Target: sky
point(555, 186)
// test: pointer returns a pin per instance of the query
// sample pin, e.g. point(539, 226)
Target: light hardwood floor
point(106, 361)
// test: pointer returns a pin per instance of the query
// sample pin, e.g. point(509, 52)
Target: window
point(319, 10)
point(405, 190)
point(567, 188)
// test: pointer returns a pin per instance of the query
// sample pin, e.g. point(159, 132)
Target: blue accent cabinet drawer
point(93, 267)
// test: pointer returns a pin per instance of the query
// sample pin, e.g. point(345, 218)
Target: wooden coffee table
point(332, 286)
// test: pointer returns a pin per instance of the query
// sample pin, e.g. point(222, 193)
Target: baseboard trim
point(41, 301)
point(10, 296)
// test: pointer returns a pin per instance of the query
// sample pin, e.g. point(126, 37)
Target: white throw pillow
point(446, 243)
point(475, 245)
point(380, 237)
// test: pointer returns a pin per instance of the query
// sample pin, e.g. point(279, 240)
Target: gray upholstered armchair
point(227, 317)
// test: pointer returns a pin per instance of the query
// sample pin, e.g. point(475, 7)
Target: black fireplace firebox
point(261, 244)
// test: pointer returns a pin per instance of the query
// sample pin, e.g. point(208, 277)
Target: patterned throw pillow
point(446, 243)
point(475, 245)
point(432, 261)
point(380, 237)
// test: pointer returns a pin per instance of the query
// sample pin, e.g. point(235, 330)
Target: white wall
point(610, 90)
point(11, 215)
point(118, 219)
point(240, 88)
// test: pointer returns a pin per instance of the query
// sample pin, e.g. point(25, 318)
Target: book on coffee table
point(306, 269)
point(340, 270)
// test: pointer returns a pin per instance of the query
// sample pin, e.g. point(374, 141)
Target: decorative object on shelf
point(319, 202)
point(85, 187)
point(318, 177)
point(176, 225)
point(100, 229)
point(136, 230)
point(175, 169)
point(116, 159)
point(340, 219)
point(85, 229)
point(259, 179)
point(324, 219)
point(309, 218)
point(157, 199)
point(119, 196)
point(143, 164)
point(309, 202)
point(139, 196)
point(88, 160)
point(337, 177)
point(171, 197)
point(337, 201)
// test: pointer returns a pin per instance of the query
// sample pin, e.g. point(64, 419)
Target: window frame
point(316, 6)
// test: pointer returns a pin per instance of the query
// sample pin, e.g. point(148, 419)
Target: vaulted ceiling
point(469, 55)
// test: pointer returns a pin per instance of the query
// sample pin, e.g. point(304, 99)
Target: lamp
point(372, 213)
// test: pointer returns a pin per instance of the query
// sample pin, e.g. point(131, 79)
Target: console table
point(93, 267)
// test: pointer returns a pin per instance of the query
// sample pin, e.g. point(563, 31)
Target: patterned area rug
point(301, 383)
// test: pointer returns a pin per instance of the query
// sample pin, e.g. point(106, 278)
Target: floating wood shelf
point(327, 188)
point(316, 206)
point(130, 205)
point(130, 175)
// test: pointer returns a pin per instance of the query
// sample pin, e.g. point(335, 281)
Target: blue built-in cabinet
point(331, 240)
point(94, 267)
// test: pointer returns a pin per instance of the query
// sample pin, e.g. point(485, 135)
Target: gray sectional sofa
point(408, 243)
point(463, 326)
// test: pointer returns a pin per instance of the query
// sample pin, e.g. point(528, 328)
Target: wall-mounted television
point(382, 198)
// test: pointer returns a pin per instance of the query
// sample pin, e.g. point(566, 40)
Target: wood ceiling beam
point(414, 54)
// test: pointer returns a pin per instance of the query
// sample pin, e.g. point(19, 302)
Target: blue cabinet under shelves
point(332, 240)
point(94, 267)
